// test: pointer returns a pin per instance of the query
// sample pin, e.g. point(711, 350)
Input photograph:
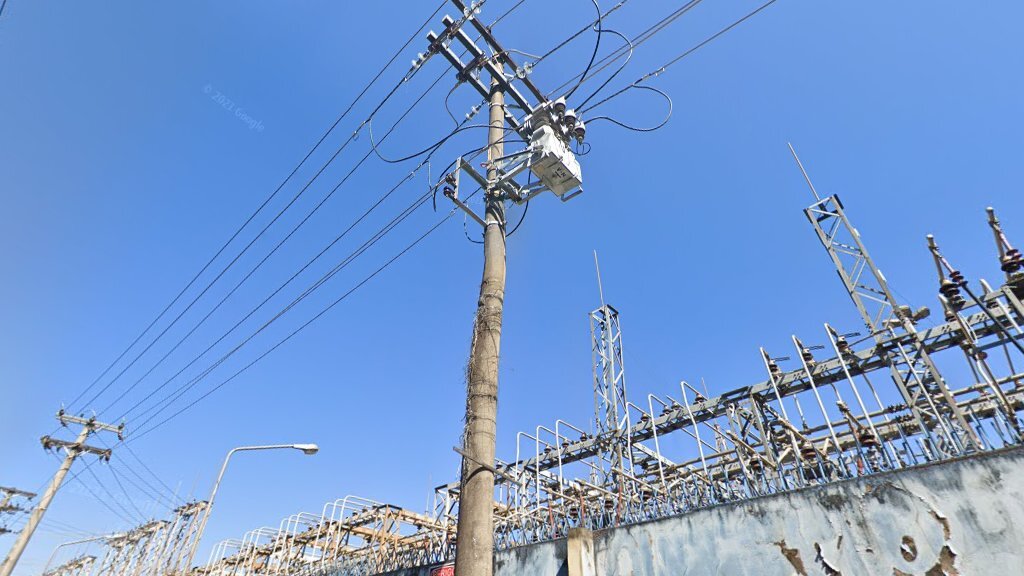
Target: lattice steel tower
point(915, 374)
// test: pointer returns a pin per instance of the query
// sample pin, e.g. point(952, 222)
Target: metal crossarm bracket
point(50, 443)
point(465, 73)
point(450, 188)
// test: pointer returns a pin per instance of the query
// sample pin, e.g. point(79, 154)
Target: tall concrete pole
point(474, 540)
point(71, 452)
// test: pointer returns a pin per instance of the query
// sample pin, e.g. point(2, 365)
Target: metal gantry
point(79, 566)
point(157, 548)
point(351, 535)
point(818, 420)
point(843, 405)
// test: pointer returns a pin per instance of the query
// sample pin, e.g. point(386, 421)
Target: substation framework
point(898, 395)
point(872, 403)
point(157, 548)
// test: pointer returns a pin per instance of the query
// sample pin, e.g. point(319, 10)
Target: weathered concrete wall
point(963, 517)
point(960, 517)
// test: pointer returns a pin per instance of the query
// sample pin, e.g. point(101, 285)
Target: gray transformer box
point(553, 163)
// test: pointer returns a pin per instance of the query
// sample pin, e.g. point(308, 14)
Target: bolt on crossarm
point(72, 450)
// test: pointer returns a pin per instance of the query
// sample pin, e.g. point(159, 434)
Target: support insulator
point(950, 288)
point(1012, 261)
point(867, 438)
point(807, 451)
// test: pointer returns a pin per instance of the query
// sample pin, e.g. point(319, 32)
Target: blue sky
point(122, 172)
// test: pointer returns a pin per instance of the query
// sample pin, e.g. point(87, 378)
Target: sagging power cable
point(252, 216)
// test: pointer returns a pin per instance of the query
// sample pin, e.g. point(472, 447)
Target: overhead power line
point(351, 172)
point(330, 306)
point(661, 69)
point(258, 210)
point(289, 235)
point(637, 40)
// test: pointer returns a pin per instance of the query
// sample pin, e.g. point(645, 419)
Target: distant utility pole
point(6, 507)
point(548, 127)
point(72, 450)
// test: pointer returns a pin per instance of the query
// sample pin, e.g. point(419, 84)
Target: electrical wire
point(526, 209)
point(364, 158)
point(169, 490)
point(713, 37)
point(239, 255)
point(431, 230)
point(149, 491)
point(76, 476)
point(386, 229)
point(668, 115)
point(661, 69)
point(465, 230)
point(579, 33)
point(154, 497)
point(320, 282)
point(637, 40)
point(373, 145)
point(499, 18)
point(303, 326)
point(446, 107)
point(125, 516)
point(428, 149)
point(128, 498)
point(344, 114)
point(629, 56)
point(322, 312)
point(266, 257)
point(322, 252)
point(593, 55)
point(365, 122)
point(342, 148)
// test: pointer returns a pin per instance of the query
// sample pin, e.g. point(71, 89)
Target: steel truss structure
point(80, 566)
point(157, 548)
point(351, 535)
point(819, 421)
point(874, 403)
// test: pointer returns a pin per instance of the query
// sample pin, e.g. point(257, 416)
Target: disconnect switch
point(553, 163)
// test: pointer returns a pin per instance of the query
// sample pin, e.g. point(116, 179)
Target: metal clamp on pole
point(487, 467)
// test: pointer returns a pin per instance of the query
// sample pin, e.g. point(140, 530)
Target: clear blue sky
point(120, 175)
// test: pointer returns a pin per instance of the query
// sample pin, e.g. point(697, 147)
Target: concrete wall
point(963, 517)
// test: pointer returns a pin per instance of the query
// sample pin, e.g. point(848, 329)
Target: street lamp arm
point(308, 449)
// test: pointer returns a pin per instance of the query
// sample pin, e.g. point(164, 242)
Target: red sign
point(446, 570)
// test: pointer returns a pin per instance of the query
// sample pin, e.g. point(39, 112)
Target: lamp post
point(307, 449)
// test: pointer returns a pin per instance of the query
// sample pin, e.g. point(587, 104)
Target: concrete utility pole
point(548, 127)
point(72, 450)
point(475, 535)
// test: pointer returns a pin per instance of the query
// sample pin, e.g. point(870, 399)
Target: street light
point(83, 541)
point(307, 449)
